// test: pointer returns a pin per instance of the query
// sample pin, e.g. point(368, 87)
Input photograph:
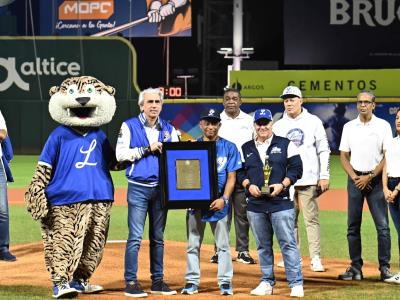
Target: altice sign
point(28, 68)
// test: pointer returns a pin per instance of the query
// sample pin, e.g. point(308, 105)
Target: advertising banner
point(29, 67)
point(186, 116)
point(342, 32)
point(317, 83)
point(88, 17)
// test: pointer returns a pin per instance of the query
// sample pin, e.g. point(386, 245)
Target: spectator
point(307, 133)
point(273, 213)
point(237, 127)
point(228, 161)
point(140, 142)
point(391, 184)
point(5, 175)
point(366, 138)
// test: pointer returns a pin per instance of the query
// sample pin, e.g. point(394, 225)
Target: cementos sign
point(26, 76)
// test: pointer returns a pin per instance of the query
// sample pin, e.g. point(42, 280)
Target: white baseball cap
point(291, 90)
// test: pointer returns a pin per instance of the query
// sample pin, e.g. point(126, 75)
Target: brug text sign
point(38, 67)
point(369, 12)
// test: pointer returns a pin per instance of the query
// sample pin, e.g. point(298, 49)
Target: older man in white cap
point(307, 132)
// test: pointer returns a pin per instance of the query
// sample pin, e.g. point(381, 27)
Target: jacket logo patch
point(276, 150)
point(249, 154)
point(167, 136)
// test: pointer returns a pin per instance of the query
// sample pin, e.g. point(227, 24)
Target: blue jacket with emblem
point(8, 155)
point(282, 166)
point(146, 169)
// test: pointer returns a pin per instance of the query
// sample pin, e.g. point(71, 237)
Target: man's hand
point(362, 182)
point(254, 190)
point(323, 185)
point(154, 16)
point(278, 188)
point(157, 146)
point(167, 9)
point(389, 195)
point(217, 204)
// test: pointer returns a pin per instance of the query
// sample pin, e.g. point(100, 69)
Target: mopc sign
point(317, 83)
point(28, 69)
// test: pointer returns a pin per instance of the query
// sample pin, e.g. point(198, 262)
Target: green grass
point(23, 167)
point(333, 232)
point(333, 239)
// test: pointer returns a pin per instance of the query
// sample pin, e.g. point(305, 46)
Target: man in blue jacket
point(140, 143)
point(5, 175)
point(228, 161)
point(273, 213)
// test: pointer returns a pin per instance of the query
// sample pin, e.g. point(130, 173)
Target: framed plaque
point(188, 174)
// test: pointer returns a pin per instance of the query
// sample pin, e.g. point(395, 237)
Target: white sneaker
point(264, 288)
point(281, 264)
point(394, 279)
point(297, 291)
point(316, 264)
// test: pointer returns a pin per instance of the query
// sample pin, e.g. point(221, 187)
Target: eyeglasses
point(361, 102)
point(157, 101)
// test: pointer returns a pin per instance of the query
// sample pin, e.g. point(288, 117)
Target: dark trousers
point(239, 208)
point(394, 207)
point(379, 211)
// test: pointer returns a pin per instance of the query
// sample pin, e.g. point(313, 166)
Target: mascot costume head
point(72, 182)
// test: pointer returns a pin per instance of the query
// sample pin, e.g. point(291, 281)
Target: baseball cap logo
point(262, 112)
point(86, 9)
point(211, 112)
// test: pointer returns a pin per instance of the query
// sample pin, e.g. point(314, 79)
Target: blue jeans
point(143, 200)
point(4, 219)
point(263, 226)
point(394, 207)
point(379, 211)
point(195, 233)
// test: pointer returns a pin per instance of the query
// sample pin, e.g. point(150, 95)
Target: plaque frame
point(205, 152)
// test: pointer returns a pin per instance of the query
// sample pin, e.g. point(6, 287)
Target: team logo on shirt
point(221, 162)
point(166, 135)
point(276, 150)
point(296, 135)
point(81, 164)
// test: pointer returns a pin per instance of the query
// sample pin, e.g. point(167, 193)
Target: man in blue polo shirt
point(228, 161)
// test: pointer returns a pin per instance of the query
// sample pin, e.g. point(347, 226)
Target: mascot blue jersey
point(82, 172)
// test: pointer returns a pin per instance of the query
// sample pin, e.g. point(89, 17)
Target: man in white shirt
point(307, 132)
point(237, 127)
point(366, 138)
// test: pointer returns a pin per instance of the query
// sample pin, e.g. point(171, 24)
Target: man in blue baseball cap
point(272, 213)
point(228, 161)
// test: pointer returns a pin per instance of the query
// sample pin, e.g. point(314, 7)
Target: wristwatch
point(371, 175)
point(226, 199)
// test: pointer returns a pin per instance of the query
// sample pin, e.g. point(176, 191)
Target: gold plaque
point(188, 174)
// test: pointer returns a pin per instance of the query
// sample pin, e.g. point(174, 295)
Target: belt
point(362, 173)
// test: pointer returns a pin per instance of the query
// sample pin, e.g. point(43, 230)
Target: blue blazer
point(8, 155)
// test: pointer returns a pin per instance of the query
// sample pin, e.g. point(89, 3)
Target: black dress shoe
point(7, 256)
point(351, 274)
point(385, 273)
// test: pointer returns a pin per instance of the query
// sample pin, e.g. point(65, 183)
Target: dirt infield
point(29, 270)
point(331, 200)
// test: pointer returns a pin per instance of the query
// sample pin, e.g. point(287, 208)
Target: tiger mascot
point(71, 192)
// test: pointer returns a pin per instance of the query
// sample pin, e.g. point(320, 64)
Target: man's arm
point(3, 128)
point(219, 203)
point(323, 152)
